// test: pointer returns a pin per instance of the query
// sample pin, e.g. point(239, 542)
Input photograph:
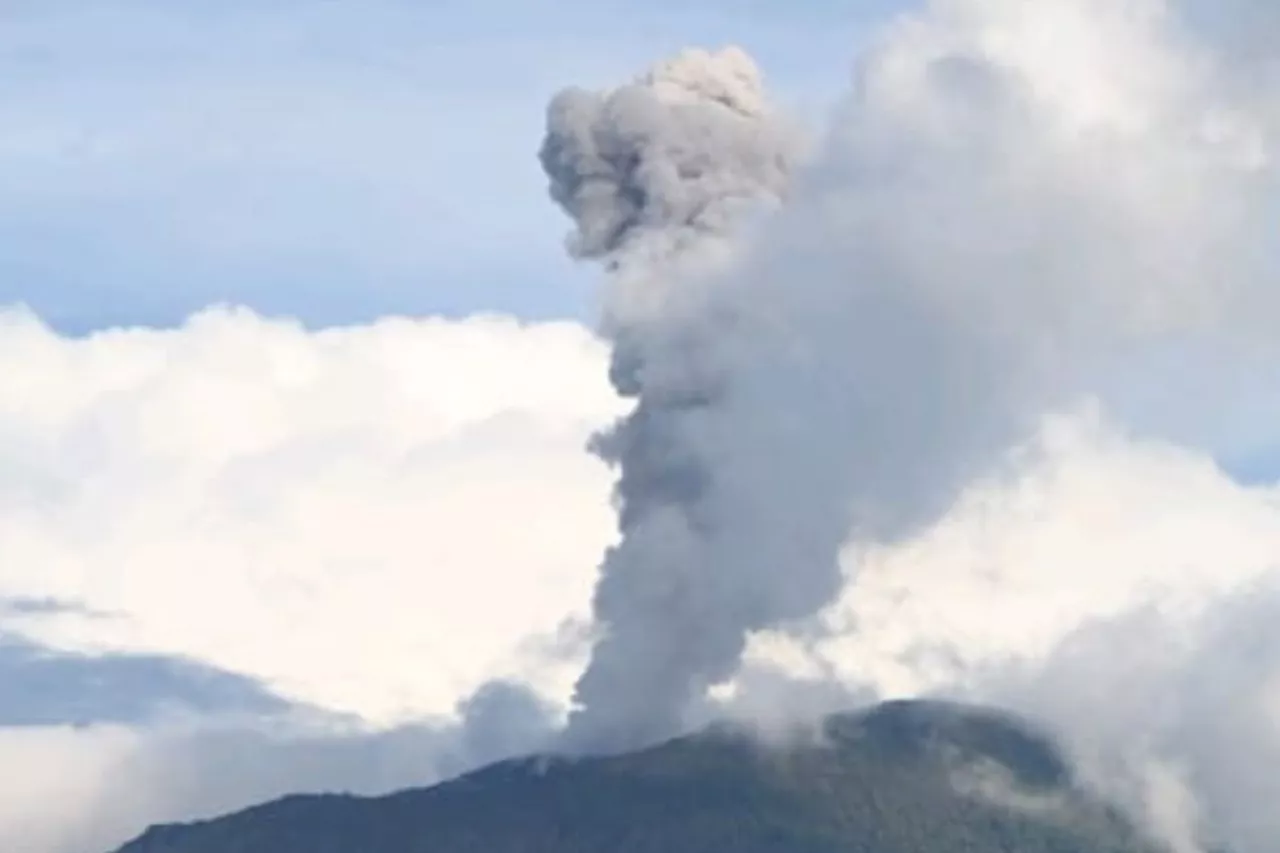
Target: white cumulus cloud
point(372, 520)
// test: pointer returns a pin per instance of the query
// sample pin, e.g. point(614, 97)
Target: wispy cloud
point(43, 687)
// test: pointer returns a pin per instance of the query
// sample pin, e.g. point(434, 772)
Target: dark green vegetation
point(906, 776)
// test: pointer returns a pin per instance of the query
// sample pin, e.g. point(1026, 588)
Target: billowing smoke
point(655, 166)
point(654, 173)
point(1018, 207)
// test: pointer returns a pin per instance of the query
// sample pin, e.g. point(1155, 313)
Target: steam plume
point(992, 231)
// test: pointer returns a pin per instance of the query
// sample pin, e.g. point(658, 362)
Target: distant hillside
point(906, 777)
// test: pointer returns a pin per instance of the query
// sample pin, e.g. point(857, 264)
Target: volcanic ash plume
point(653, 167)
point(975, 245)
point(655, 174)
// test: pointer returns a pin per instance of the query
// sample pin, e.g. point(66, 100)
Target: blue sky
point(334, 160)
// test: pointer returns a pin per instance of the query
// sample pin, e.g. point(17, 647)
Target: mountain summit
point(903, 777)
